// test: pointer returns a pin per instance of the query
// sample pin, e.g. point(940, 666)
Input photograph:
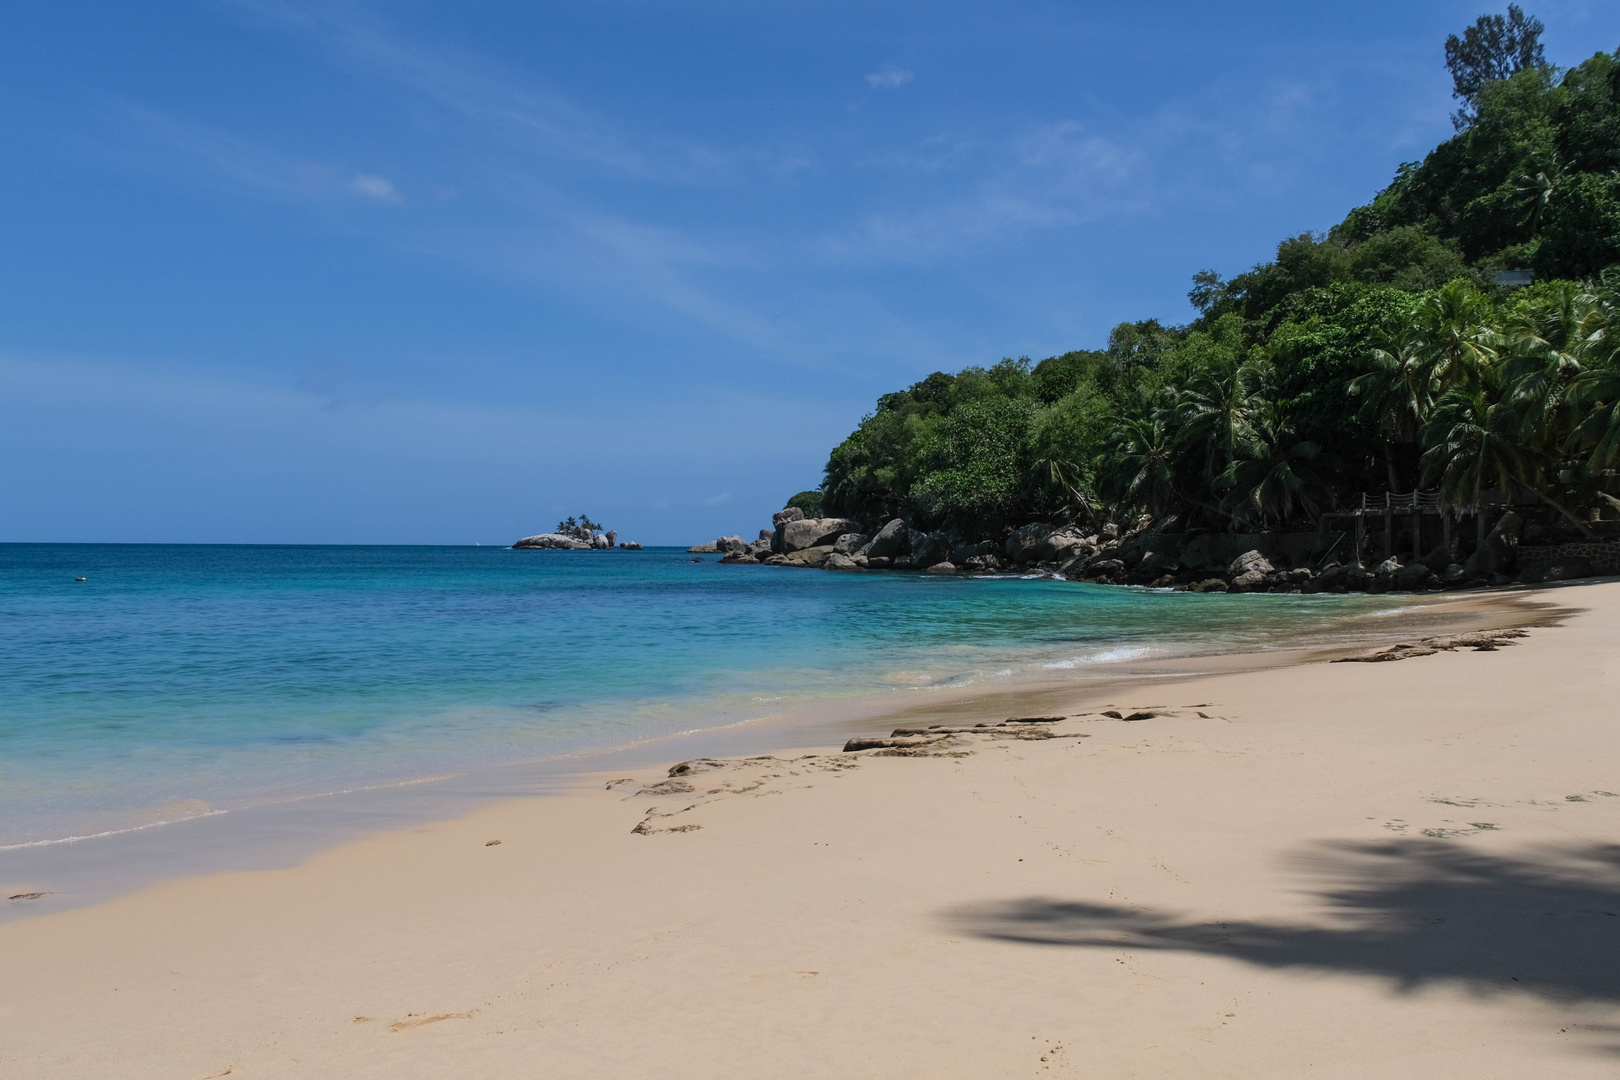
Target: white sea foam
point(110, 832)
point(1106, 656)
point(1123, 652)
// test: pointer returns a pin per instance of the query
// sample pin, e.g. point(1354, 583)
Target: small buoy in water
point(78, 579)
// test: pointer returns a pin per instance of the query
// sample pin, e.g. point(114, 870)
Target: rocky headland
point(1164, 554)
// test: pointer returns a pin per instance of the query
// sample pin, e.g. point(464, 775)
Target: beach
point(1289, 868)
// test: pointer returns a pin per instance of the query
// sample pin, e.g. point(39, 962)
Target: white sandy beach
point(1332, 870)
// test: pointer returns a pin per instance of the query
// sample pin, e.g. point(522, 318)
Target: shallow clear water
point(181, 680)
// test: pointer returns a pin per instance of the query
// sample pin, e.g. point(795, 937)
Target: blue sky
point(444, 273)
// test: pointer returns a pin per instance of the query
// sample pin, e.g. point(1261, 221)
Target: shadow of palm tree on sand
point(1415, 912)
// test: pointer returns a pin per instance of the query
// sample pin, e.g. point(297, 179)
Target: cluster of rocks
point(841, 544)
point(1156, 554)
point(1253, 572)
point(836, 544)
point(598, 541)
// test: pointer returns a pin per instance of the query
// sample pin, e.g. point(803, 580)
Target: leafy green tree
point(1134, 355)
point(1587, 116)
point(1493, 48)
point(810, 502)
point(1318, 348)
point(1059, 376)
point(1407, 257)
point(1066, 440)
point(972, 462)
point(1303, 262)
point(1581, 227)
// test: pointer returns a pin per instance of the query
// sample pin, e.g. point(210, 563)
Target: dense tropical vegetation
point(1457, 333)
point(581, 528)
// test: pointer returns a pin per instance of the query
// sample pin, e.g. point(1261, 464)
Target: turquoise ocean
point(180, 681)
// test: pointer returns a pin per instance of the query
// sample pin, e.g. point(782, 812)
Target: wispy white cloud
point(226, 160)
point(533, 156)
point(551, 235)
point(518, 111)
point(377, 188)
point(1052, 176)
point(718, 500)
point(890, 77)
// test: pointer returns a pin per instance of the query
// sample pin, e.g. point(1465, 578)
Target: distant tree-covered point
point(1457, 333)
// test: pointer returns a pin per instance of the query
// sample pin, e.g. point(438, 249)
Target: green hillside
point(1402, 349)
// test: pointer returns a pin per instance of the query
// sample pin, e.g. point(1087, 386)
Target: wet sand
point(1292, 867)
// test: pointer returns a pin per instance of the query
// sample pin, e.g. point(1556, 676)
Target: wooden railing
point(1388, 505)
point(1426, 502)
point(1413, 502)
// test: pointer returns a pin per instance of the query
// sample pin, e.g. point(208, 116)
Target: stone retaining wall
point(1604, 555)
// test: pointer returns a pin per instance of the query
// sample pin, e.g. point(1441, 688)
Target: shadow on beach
point(1415, 912)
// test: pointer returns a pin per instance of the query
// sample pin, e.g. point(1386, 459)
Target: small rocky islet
point(570, 536)
point(1160, 554)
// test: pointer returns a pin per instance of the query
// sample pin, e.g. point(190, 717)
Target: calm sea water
point(178, 681)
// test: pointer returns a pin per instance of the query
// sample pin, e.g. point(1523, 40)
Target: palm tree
point(1547, 346)
point(1141, 466)
point(1067, 478)
point(1398, 392)
point(1215, 411)
point(1597, 390)
point(1454, 338)
point(1474, 444)
point(1536, 191)
point(1274, 468)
